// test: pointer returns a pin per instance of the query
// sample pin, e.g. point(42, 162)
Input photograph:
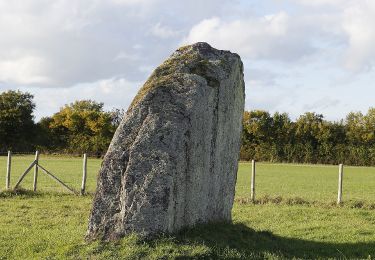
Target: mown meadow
point(295, 215)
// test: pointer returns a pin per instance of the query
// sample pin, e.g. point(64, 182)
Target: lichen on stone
point(186, 59)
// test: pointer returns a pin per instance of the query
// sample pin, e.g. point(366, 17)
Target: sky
point(299, 55)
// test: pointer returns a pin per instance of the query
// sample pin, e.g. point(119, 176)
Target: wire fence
point(308, 182)
point(48, 153)
point(68, 169)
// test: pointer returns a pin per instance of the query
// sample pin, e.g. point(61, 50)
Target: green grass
point(51, 224)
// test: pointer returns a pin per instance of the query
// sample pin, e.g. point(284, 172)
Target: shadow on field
point(245, 242)
point(19, 193)
point(27, 194)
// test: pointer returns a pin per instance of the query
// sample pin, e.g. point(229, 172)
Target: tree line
point(79, 127)
point(84, 126)
point(309, 139)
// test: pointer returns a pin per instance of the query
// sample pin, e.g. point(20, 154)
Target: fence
point(279, 180)
point(339, 191)
point(37, 165)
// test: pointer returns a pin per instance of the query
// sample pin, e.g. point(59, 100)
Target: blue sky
point(299, 55)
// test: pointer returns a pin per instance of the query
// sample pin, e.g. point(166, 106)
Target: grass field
point(294, 217)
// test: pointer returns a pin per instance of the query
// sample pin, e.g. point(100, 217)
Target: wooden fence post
point(9, 164)
point(36, 170)
point(84, 172)
point(252, 194)
point(339, 194)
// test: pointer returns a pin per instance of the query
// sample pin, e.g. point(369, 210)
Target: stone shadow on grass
point(19, 193)
point(244, 242)
point(26, 194)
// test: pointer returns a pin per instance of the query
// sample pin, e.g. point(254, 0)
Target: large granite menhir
point(173, 160)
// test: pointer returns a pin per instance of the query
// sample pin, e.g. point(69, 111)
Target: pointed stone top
point(199, 58)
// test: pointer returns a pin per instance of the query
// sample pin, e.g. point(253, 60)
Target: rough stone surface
point(173, 160)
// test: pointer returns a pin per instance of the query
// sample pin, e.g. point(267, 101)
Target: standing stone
point(173, 160)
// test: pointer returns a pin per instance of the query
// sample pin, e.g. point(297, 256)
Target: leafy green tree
point(282, 136)
point(369, 126)
point(355, 128)
point(256, 134)
point(82, 126)
point(17, 126)
point(308, 128)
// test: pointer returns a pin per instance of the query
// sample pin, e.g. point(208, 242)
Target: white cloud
point(163, 31)
point(345, 27)
point(322, 104)
point(63, 43)
point(354, 22)
point(268, 37)
point(134, 2)
point(24, 70)
point(320, 2)
point(358, 21)
point(73, 42)
point(127, 56)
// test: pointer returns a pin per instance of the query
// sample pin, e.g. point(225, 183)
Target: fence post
point(36, 170)
point(339, 194)
point(84, 172)
point(252, 194)
point(9, 164)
